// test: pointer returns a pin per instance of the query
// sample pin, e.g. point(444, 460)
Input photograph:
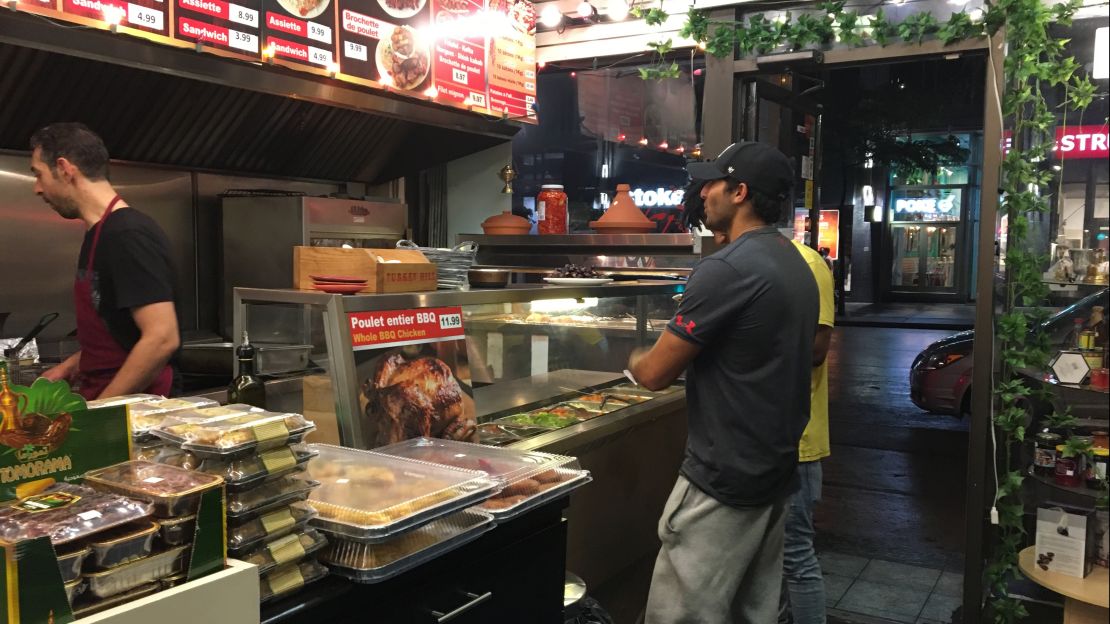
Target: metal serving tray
point(369, 497)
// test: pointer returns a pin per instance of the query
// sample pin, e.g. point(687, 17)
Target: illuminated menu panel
point(387, 41)
point(145, 15)
point(459, 58)
point(512, 64)
point(300, 31)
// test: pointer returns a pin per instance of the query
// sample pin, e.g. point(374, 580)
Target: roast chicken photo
point(418, 396)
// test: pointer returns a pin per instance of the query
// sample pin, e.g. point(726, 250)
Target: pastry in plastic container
point(243, 538)
point(70, 562)
point(289, 578)
point(173, 455)
point(123, 399)
point(372, 563)
point(177, 531)
point(369, 496)
point(85, 608)
point(285, 550)
point(247, 472)
point(229, 437)
point(148, 451)
point(137, 573)
point(267, 496)
point(173, 492)
point(123, 544)
point(75, 588)
point(146, 415)
point(65, 512)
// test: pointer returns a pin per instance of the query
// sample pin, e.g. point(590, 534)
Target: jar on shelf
point(1044, 453)
point(1069, 470)
point(551, 210)
point(1096, 472)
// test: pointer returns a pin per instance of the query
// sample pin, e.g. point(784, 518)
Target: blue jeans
point(803, 591)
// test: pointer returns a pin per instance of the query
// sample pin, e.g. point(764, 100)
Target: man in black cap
point(744, 336)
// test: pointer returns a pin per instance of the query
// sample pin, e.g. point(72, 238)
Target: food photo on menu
point(306, 9)
point(418, 390)
point(404, 58)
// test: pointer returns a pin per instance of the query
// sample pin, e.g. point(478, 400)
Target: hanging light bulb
point(550, 16)
point(617, 10)
point(585, 9)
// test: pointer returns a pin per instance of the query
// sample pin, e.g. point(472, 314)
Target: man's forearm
point(66, 371)
point(143, 364)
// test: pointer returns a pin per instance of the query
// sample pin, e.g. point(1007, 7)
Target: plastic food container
point(123, 544)
point(367, 496)
point(70, 563)
point(75, 588)
point(129, 576)
point(525, 478)
point(175, 456)
point(87, 609)
point(373, 563)
point(247, 472)
point(148, 451)
point(173, 492)
point(125, 399)
point(268, 496)
point(288, 579)
point(271, 525)
point(229, 437)
point(146, 415)
point(67, 512)
point(177, 531)
point(285, 550)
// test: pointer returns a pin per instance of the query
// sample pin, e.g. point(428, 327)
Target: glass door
point(925, 242)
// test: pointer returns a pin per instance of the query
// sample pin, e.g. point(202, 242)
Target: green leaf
point(696, 26)
point(49, 397)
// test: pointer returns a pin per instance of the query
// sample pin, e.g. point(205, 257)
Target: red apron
point(101, 355)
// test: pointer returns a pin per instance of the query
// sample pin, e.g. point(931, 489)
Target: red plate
point(337, 279)
point(339, 289)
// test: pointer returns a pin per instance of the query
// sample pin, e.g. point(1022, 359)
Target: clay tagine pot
point(623, 217)
point(506, 223)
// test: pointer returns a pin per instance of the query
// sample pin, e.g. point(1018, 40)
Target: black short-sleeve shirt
point(753, 308)
point(133, 269)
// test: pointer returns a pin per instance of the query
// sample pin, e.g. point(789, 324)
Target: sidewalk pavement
point(953, 316)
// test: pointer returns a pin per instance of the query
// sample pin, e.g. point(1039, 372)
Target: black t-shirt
point(133, 269)
point(753, 308)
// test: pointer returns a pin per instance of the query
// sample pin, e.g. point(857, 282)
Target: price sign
point(242, 15)
point(142, 16)
point(318, 56)
point(243, 41)
point(391, 328)
point(450, 321)
point(354, 50)
point(318, 32)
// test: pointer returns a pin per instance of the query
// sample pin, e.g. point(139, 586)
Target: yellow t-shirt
point(815, 440)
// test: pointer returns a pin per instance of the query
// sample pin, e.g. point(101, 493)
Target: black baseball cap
point(758, 165)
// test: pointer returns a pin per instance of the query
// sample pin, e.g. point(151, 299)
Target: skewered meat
point(419, 397)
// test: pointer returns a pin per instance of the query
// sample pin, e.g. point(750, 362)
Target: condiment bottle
point(246, 388)
point(551, 210)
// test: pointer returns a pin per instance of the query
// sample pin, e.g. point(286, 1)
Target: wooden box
point(385, 270)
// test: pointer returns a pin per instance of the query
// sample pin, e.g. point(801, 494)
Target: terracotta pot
point(623, 217)
point(506, 223)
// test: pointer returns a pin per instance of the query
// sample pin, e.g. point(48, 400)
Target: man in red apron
point(123, 294)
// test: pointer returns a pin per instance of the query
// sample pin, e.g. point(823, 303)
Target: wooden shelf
point(1093, 590)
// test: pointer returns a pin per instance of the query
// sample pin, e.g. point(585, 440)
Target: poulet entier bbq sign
point(395, 328)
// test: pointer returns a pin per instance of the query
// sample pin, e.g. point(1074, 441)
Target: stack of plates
point(338, 284)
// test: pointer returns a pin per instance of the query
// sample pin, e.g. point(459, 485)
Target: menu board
point(459, 58)
point(232, 26)
point(299, 31)
point(512, 64)
point(146, 15)
point(475, 54)
point(386, 41)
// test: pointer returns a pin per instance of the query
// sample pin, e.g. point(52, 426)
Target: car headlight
point(942, 359)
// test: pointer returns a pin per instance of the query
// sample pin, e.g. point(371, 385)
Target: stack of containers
point(261, 458)
point(386, 514)
point(147, 411)
point(144, 555)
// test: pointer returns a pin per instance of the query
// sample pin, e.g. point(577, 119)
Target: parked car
point(940, 377)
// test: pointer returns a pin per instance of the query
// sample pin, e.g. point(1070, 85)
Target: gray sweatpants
point(718, 564)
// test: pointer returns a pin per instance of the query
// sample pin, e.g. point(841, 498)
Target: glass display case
point(528, 366)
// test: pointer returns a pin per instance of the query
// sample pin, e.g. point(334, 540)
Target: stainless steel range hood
point(155, 104)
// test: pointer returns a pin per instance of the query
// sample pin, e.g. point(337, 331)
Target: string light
point(550, 16)
point(386, 80)
point(113, 15)
point(643, 141)
point(617, 10)
point(333, 69)
point(664, 145)
point(431, 92)
point(585, 9)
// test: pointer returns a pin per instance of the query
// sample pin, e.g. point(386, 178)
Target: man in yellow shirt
point(803, 596)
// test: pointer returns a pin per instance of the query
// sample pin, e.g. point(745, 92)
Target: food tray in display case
point(286, 550)
point(177, 531)
point(247, 472)
point(172, 492)
point(137, 573)
point(235, 435)
point(123, 399)
point(525, 478)
point(75, 588)
point(288, 579)
point(66, 512)
point(367, 496)
point(70, 562)
point(145, 415)
point(123, 544)
point(268, 496)
point(374, 563)
point(245, 537)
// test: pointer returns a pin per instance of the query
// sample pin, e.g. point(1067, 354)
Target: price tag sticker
point(319, 32)
point(145, 17)
point(153, 480)
point(478, 99)
point(242, 41)
point(271, 434)
point(459, 75)
point(285, 581)
point(287, 549)
point(318, 56)
point(450, 321)
point(278, 460)
point(355, 50)
point(242, 15)
point(89, 515)
point(277, 521)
